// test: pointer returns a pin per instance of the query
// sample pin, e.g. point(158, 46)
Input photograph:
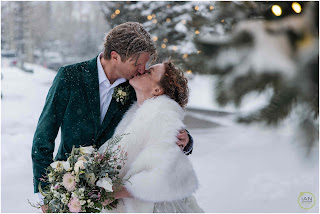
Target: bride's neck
point(141, 98)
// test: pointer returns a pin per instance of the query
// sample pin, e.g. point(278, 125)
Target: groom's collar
point(102, 76)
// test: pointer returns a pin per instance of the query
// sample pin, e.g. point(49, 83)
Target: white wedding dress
point(187, 205)
point(161, 178)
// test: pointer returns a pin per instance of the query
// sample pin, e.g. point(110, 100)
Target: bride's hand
point(122, 193)
point(44, 208)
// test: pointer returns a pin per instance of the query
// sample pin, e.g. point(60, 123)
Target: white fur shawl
point(156, 167)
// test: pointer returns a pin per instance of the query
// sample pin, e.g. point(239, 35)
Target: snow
point(240, 168)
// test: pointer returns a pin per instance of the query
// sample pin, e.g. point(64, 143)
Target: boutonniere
point(121, 94)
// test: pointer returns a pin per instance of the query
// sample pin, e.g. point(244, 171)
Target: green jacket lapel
point(113, 108)
point(117, 108)
point(92, 87)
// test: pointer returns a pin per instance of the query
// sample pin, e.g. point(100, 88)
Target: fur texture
point(156, 167)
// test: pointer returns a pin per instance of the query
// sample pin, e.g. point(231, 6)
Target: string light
point(155, 38)
point(184, 22)
point(168, 6)
point(185, 56)
point(189, 72)
point(153, 15)
point(165, 40)
point(154, 21)
point(149, 17)
point(113, 16)
point(211, 7)
point(163, 45)
point(222, 20)
point(296, 7)
point(276, 10)
point(117, 12)
point(196, 8)
point(198, 52)
point(168, 20)
point(197, 32)
point(174, 48)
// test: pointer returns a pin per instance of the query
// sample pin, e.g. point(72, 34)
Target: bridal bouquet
point(84, 183)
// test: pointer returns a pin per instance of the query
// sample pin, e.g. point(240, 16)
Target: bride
point(160, 177)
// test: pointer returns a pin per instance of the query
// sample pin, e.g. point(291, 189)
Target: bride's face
point(148, 83)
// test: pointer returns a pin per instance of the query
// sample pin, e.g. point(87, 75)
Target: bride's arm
point(161, 174)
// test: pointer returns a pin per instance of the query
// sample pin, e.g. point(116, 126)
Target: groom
point(82, 100)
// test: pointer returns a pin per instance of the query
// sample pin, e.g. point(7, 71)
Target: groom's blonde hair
point(129, 39)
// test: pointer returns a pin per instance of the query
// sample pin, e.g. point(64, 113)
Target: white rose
point(82, 202)
point(60, 165)
point(86, 150)
point(57, 166)
point(105, 183)
point(79, 165)
point(91, 178)
point(66, 165)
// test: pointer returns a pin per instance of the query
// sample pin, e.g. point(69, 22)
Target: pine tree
point(266, 52)
point(173, 25)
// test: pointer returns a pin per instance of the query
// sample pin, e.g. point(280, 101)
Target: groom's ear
point(115, 56)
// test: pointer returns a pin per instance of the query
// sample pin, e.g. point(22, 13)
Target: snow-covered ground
point(240, 168)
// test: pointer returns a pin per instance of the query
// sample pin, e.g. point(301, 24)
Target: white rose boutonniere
point(121, 94)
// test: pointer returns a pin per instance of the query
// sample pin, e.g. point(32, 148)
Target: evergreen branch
point(279, 107)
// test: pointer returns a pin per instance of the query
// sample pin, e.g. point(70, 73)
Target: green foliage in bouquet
point(86, 181)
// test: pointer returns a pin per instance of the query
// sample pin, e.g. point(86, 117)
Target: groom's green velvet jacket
point(73, 103)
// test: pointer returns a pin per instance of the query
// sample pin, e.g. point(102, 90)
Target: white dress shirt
point(105, 91)
point(105, 88)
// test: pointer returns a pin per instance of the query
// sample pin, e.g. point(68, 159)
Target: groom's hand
point(183, 139)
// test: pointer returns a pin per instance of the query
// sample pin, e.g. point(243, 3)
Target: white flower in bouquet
point(82, 202)
point(81, 192)
point(60, 165)
point(82, 158)
point(91, 178)
point(74, 195)
point(74, 205)
point(69, 182)
point(50, 177)
point(64, 198)
point(86, 150)
point(105, 183)
point(56, 194)
point(79, 165)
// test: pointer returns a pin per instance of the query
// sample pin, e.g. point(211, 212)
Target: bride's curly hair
point(175, 84)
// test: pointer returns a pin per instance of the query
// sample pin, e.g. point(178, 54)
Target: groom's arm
point(48, 127)
point(189, 147)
